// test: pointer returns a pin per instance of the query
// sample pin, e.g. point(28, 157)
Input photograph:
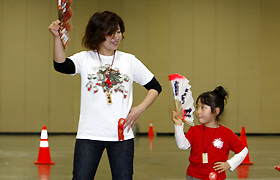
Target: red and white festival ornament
point(64, 15)
point(120, 129)
point(183, 97)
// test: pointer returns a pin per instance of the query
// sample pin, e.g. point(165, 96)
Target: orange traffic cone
point(44, 156)
point(151, 131)
point(243, 139)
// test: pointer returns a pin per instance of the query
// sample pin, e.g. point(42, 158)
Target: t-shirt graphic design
point(218, 143)
point(110, 80)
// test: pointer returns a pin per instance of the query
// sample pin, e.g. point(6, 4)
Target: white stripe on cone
point(44, 134)
point(44, 144)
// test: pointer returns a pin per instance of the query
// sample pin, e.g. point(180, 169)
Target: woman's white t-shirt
point(98, 119)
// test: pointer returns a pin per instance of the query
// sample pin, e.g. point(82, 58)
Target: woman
point(107, 77)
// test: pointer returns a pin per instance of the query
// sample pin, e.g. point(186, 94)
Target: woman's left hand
point(221, 166)
point(133, 115)
point(136, 111)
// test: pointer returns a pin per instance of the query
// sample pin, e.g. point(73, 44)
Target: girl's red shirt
point(216, 142)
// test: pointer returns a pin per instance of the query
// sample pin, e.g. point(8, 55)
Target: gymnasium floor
point(156, 159)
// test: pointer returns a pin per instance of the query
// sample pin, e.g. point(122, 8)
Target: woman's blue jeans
point(88, 153)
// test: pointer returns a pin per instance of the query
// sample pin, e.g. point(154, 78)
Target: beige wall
point(233, 43)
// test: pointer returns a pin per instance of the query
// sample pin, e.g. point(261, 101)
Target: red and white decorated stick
point(278, 168)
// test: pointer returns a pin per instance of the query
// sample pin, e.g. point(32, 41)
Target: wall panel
point(227, 66)
point(204, 46)
point(181, 38)
point(36, 65)
point(249, 65)
point(13, 66)
point(1, 57)
point(270, 63)
point(157, 56)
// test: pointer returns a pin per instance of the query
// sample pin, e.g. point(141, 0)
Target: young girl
point(210, 142)
point(107, 77)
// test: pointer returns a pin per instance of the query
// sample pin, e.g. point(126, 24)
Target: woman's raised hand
point(54, 28)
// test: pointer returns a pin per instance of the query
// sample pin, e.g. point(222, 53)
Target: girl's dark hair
point(100, 25)
point(214, 99)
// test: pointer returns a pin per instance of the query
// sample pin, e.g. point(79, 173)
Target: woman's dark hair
point(100, 25)
point(214, 99)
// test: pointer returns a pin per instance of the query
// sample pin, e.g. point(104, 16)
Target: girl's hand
point(133, 115)
point(177, 121)
point(221, 166)
point(54, 28)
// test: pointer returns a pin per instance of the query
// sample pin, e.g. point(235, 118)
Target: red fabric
point(222, 142)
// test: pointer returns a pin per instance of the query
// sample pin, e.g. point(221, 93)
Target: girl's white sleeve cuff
point(237, 159)
point(181, 140)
